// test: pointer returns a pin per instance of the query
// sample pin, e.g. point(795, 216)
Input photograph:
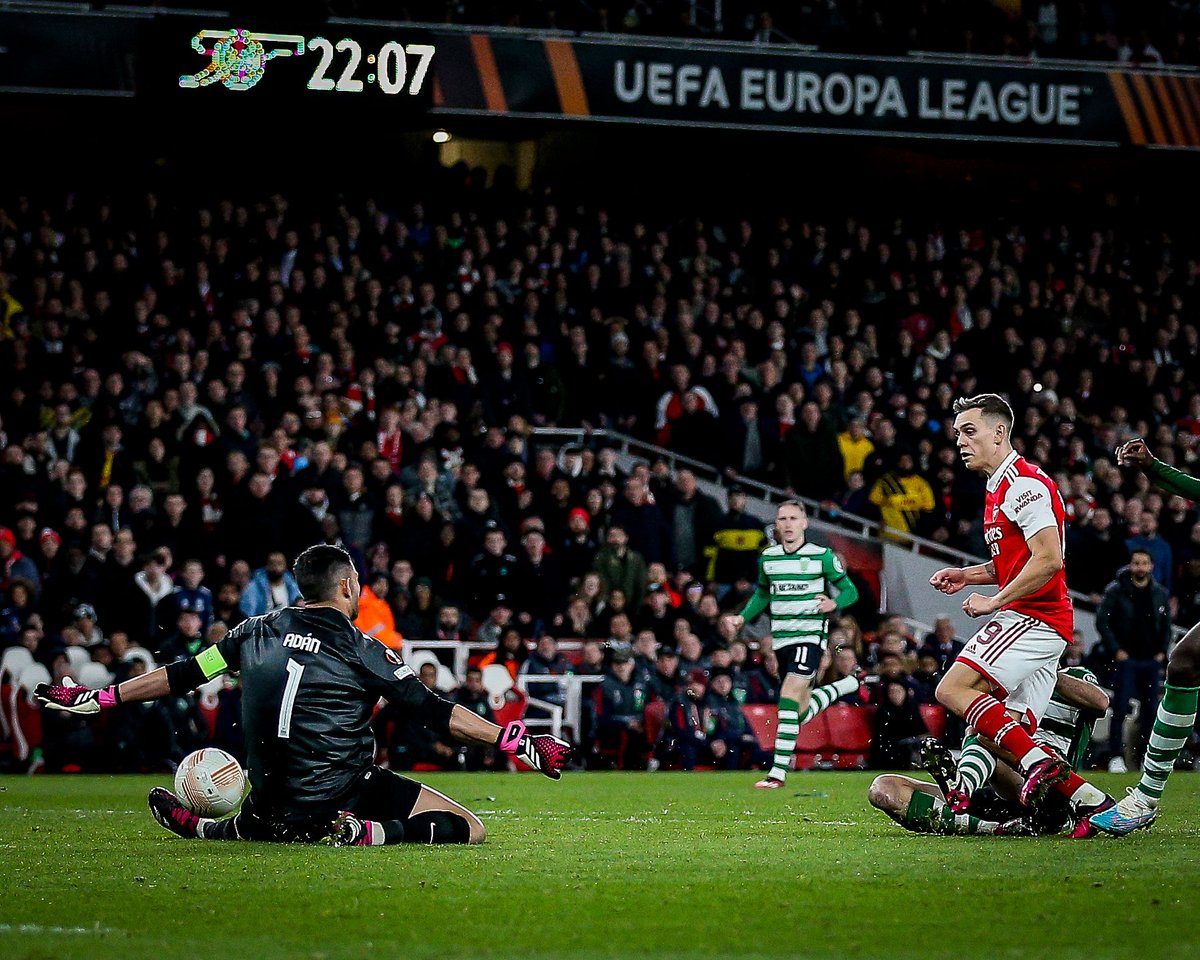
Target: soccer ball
point(210, 782)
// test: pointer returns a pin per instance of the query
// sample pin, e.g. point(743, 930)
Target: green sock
point(822, 697)
point(1172, 726)
point(975, 766)
point(928, 814)
point(785, 737)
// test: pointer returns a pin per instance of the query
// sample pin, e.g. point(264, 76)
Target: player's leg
point(919, 807)
point(393, 809)
point(800, 662)
point(977, 764)
point(169, 811)
point(1173, 724)
point(825, 696)
point(1006, 652)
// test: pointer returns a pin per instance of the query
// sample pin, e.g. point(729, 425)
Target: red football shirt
point(1021, 501)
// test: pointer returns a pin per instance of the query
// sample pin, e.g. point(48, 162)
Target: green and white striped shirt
point(789, 583)
point(1066, 727)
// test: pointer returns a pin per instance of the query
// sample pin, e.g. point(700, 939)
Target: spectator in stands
point(189, 594)
point(621, 567)
point(492, 573)
point(904, 498)
point(537, 582)
point(737, 542)
point(751, 443)
point(812, 459)
point(1134, 622)
point(665, 683)
point(694, 518)
point(942, 643)
point(898, 728)
point(855, 447)
point(732, 741)
point(510, 652)
point(620, 724)
point(13, 563)
point(472, 695)
point(639, 515)
point(1145, 537)
point(498, 620)
point(683, 740)
point(578, 551)
point(1097, 550)
point(272, 588)
point(186, 641)
point(375, 617)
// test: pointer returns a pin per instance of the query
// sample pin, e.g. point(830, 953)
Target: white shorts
point(1019, 654)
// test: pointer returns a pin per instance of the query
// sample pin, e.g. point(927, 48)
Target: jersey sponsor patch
point(402, 672)
point(1027, 498)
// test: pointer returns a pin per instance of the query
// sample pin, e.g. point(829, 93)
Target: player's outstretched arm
point(1087, 696)
point(175, 678)
point(542, 752)
point(949, 580)
point(1135, 453)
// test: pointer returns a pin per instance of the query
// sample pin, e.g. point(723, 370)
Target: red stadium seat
point(934, 715)
point(850, 732)
point(656, 713)
point(762, 718)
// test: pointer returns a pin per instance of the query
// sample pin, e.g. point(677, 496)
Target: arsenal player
point(1014, 658)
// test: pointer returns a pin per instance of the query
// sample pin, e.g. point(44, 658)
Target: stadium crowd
point(193, 393)
point(1155, 33)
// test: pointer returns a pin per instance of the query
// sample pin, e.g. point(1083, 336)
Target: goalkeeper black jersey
point(310, 682)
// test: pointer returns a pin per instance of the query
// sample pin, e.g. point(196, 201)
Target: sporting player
point(1016, 653)
point(310, 682)
point(1176, 716)
point(1077, 703)
point(794, 580)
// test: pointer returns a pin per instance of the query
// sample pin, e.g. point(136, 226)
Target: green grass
point(597, 865)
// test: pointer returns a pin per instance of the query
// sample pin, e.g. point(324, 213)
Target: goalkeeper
point(310, 683)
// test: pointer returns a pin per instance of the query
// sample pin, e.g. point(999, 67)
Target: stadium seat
point(94, 675)
point(446, 680)
point(762, 717)
point(24, 713)
point(851, 730)
point(497, 681)
point(78, 658)
point(656, 714)
point(934, 716)
point(419, 657)
point(14, 660)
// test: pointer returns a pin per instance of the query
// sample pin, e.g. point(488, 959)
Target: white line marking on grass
point(39, 929)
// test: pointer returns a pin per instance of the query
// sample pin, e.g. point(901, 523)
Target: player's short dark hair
point(319, 569)
point(792, 503)
point(990, 404)
point(1143, 551)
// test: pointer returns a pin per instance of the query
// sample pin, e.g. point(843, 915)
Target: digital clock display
point(259, 64)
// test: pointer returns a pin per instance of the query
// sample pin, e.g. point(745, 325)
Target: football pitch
point(597, 865)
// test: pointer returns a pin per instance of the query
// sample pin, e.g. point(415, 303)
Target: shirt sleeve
point(225, 656)
point(1173, 481)
point(761, 598)
point(395, 681)
point(1027, 504)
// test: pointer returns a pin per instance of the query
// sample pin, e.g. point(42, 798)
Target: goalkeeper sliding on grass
point(989, 791)
point(310, 682)
point(794, 580)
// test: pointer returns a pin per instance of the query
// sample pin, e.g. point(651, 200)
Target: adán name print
point(837, 94)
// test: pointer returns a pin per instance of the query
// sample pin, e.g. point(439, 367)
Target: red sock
point(987, 715)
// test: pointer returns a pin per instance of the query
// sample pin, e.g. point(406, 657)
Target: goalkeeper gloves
point(74, 699)
point(543, 752)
